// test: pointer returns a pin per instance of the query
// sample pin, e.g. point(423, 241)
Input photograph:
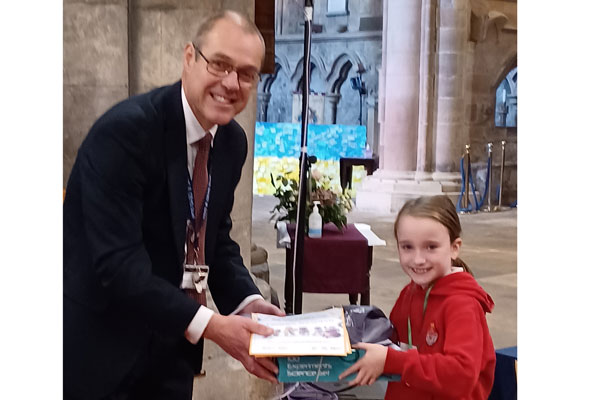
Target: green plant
point(334, 203)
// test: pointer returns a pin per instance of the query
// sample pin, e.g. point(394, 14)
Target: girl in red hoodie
point(447, 351)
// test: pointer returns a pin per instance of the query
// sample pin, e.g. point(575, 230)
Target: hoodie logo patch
point(432, 335)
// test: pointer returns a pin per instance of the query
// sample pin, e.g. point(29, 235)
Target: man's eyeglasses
point(246, 76)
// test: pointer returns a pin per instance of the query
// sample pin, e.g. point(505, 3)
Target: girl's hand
point(369, 366)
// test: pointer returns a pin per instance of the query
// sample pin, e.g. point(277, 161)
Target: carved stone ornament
point(482, 17)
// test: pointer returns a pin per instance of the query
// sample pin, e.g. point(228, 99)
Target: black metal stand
point(303, 178)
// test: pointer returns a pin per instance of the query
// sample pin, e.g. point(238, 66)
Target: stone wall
point(95, 67)
point(116, 48)
point(291, 18)
point(494, 55)
point(343, 47)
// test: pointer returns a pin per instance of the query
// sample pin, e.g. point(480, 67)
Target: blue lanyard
point(424, 308)
point(190, 193)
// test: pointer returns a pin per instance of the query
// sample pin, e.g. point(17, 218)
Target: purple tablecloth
point(335, 263)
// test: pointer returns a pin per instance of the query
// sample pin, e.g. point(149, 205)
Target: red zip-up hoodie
point(455, 357)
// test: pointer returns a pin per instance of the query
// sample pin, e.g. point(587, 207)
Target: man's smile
point(221, 99)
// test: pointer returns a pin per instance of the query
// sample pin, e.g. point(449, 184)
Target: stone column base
point(387, 191)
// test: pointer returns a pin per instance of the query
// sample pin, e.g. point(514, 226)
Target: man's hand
point(263, 307)
point(369, 366)
point(232, 334)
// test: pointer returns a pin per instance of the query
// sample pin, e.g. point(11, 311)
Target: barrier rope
point(487, 184)
point(478, 202)
point(469, 206)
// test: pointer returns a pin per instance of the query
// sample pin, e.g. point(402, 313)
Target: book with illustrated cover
point(321, 333)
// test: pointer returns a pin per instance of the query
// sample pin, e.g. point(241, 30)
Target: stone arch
point(508, 64)
point(263, 93)
point(285, 64)
point(339, 96)
point(506, 71)
point(340, 78)
point(511, 77)
point(340, 69)
point(267, 86)
point(316, 63)
point(266, 81)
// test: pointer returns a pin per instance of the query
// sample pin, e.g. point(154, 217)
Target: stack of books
point(311, 347)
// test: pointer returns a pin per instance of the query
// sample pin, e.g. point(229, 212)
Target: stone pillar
point(426, 90)
point(279, 16)
point(263, 104)
point(399, 108)
point(241, 214)
point(408, 147)
point(95, 68)
point(399, 88)
point(451, 132)
point(372, 124)
point(331, 102)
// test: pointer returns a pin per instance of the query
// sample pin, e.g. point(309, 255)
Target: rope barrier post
point(489, 186)
point(499, 206)
point(467, 158)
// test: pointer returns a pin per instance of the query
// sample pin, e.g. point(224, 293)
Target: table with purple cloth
point(338, 262)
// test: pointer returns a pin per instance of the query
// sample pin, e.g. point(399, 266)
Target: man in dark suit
point(130, 331)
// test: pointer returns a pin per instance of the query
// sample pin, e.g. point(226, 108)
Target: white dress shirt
point(195, 132)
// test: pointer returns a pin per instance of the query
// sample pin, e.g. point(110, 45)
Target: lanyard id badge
point(199, 276)
point(195, 274)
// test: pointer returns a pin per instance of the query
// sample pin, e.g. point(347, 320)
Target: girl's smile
point(420, 270)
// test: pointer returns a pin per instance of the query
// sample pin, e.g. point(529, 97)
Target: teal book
point(320, 368)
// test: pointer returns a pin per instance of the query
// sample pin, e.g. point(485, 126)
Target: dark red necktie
point(199, 186)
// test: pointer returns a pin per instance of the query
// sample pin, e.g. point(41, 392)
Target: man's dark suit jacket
point(124, 224)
